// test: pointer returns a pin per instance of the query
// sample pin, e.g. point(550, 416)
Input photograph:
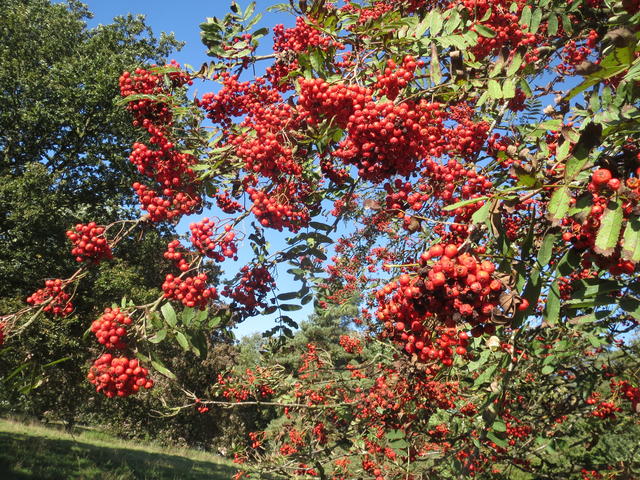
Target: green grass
point(36, 452)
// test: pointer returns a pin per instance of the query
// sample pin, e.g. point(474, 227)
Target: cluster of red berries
point(250, 385)
point(498, 16)
point(172, 204)
point(606, 410)
point(210, 242)
point(2, 333)
point(319, 100)
point(401, 195)
point(516, 430)
point(170, 168)
point(236, 98)
point(573, 55)
point(395, 78)
point(383, 139)
point(174, 254)
point(453, 182)
point(369, 13)
point(629, 392)
point(167, 166)
point(456, 290)
point(582, 233)
point(266, 149)
point(350, 344)
point(89, 243)
point(517, 103)
point(149, 83)
point(57, 300)
point(191, 291)
point(300, 38)
point(277, 209)
point(227, 204)
point(252, 289)
point(111, 328)
point(118, 376)
point(467, 137)
point(590, 474)
point(338, 175)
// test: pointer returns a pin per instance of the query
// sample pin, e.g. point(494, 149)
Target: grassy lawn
point(35, 452)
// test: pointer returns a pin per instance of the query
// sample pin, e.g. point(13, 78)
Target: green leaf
point(157, 364)
point(187, 316)
point(590, 318)
point(485, 376)
point(493, 87)
point(55, 362)
point(434, 66)
point(575, 164)
point(317, 61)
point(502, 443)
point(631, 306)
point(554, 125)
point(395, 435)
point(552, 307)
point(463, 203)
point(289, 295)
point(546, 249)
point(484, 356)
point(514, 66)
point(536, 17)
point(422, 26)
point(290, 307)
point(547, 369)
point(525, 16)
point(631, 239)
point(508, 88)
point(182, 341)
point(169, 314)
point(589, 287)
point(562, 151)
point(552, 25)
point(499, 426)
point(590, 302)
point(567, 24)
point(569, 263)
point(159, 336)
point(485, 31)
point(559, 204)
point(482, 214)
point(609, 232)
point(526, 88)
point(320, 226)
point(436, 23)
point(453, 22)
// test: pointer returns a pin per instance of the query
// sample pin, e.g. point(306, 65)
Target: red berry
point(601, 176)
point(613, 184)
point(451, 251)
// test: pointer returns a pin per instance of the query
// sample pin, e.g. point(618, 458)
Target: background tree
point(63, 143)
point(64, 147)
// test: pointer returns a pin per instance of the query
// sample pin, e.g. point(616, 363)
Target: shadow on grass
point(29, 457)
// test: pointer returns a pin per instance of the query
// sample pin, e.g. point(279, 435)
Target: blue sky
point(182, 18)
